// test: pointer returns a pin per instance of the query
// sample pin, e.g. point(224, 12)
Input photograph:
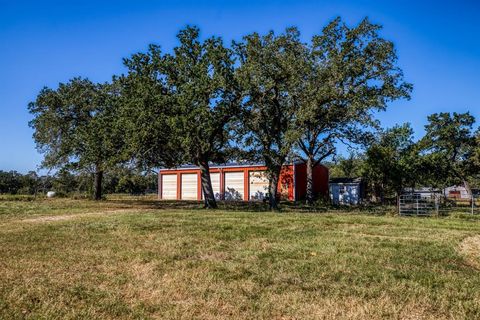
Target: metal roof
point(213, 165)
point(346, 180)
point(225, 165)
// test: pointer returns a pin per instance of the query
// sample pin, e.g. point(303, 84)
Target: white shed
point(346, 191)
point(457, 192)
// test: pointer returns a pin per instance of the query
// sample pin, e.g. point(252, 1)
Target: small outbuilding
point(457, 193)
point(347, 191)
point(239, 181)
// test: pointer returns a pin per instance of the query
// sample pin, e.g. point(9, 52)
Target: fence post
point(398, 205)
point(473, 199)
point(416, 198)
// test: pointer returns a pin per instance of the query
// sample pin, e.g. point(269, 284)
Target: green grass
point(137, 259)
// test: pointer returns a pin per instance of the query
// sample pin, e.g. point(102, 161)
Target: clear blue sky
point(46, 42)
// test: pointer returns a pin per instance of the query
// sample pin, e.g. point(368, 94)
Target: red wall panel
point(286, 184)
point(320, 180)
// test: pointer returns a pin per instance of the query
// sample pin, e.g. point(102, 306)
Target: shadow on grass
point(151, 202)
point(192, 205)
point(254, 206)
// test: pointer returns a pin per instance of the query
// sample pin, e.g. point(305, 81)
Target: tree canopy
point(392, 162)
point(351, 73)
point(182, 104)
point(449, 147)
point(269, 75)
point(74, 128)
point(272, 97)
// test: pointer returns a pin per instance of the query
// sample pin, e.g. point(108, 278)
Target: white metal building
point(346, 191)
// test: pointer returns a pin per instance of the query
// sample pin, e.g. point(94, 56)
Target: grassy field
point(137, 259)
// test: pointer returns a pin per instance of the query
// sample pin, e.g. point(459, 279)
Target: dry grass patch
point(78, 215)
point(114, 260)
point(470, 248)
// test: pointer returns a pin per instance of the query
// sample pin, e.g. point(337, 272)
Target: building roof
point(346, 180)
point(228, 165)
point(214, 165)
point(422, 190)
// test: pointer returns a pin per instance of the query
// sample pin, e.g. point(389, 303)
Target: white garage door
point(189, 186)
point(215, 179)
point(258, 188)
point(234, 189)
point(169, 186)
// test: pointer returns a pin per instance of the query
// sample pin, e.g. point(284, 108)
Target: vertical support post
point(416, 198)
point(246, 184)
point(159, 186)
point(199, 186)
point(179, 186)
point(473, 201)
point(222, 184)
point(398, 204)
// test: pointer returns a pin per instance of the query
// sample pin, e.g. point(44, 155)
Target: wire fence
point(436, 204)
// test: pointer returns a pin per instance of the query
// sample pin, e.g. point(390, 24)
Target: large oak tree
point(270, 76)
point(182, 104)
point(351, 73)
point(74, 128)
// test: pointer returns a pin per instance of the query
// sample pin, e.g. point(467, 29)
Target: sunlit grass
point(144, 259)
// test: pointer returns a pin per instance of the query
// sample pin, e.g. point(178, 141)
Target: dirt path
point(65, 217)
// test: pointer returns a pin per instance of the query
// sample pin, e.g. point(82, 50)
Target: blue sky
point(46, 42)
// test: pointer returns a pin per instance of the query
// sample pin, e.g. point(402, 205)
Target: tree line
point(266, 97)
point(448, 154)
point(66, 183)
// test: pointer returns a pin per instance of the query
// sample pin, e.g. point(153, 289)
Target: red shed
point(239, 182)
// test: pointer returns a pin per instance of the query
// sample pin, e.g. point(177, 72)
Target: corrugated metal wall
point(189, 186)
point(345, 194)
point(240, 183)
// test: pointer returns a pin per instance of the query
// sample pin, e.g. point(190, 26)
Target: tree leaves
point(350, 73)
point(73, 125)
point(449, 144)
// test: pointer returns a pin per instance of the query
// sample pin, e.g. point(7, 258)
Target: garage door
point(169, 186)
point(215, 179)
point(234, 188)
point(258, 188)
point(189, 186)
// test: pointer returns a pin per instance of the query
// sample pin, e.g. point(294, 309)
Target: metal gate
point(423, 205)
point(418, 205)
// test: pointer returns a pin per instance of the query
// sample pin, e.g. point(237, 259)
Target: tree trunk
point(398, 192)
point(382, 194)
point(466, 185)
point(274, 177)
point(310, 197)
point(208, 195)
point(98, 184)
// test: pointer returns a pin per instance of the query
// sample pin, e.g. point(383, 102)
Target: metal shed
point(239, 181)
point(346, 191)
point(457, 192)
